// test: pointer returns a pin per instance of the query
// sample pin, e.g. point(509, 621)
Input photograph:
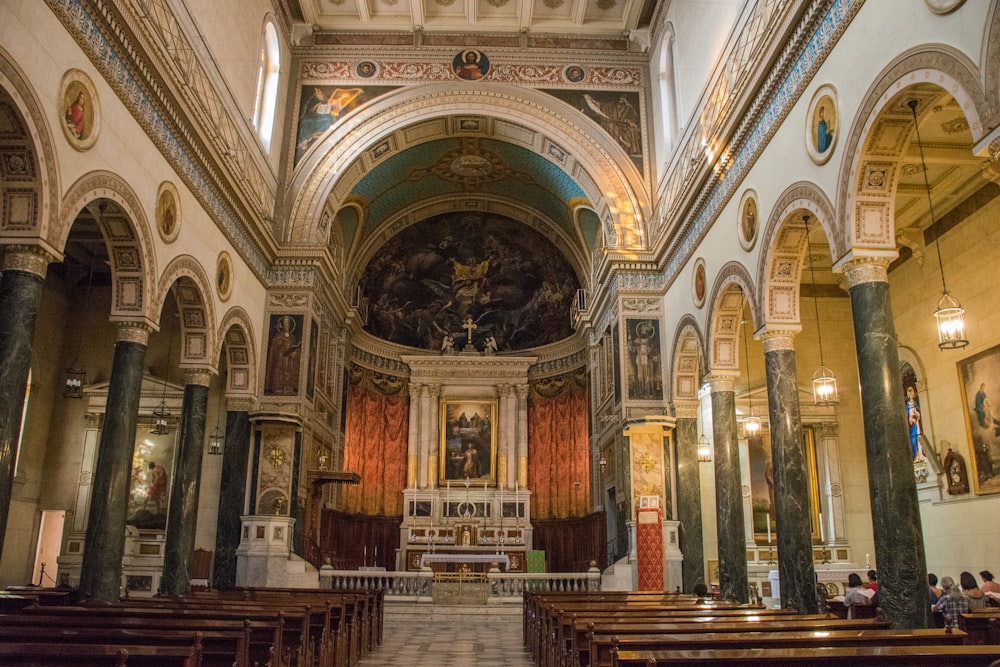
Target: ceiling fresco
point(470, 164)
point(427, 282)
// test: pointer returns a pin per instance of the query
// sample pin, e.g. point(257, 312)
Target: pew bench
point(44, 654)
point(845, 656)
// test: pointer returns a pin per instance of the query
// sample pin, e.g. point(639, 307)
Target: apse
point(441, 276)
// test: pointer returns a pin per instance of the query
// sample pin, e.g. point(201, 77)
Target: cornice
point(107, 32)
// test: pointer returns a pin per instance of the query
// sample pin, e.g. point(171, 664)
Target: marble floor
point(450, 636)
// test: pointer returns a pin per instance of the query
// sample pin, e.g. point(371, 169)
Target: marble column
point(100, 574)
point(425, 436)
point(733, 578)
point(689, 494)
point(828, 461)
point(434, 427)
point(412, 444)
point(791, 477)
point(20, 294)
point(899, 540)
point(522, 435)
point(182, 514)
point(232, 492)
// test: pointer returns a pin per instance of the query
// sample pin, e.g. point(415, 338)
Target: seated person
point(701, 591)
point(855, 595)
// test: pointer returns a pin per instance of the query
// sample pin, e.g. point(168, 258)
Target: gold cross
point(469, 327)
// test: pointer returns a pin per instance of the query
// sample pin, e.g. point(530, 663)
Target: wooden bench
point(44, 654)
point(982, 625)
point(603, 647)
point(853, 656)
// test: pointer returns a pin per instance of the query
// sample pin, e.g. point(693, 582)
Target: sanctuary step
point(450, 636)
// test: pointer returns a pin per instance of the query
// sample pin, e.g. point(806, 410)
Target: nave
point(450, 636)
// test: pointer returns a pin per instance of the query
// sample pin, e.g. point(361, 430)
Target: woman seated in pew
point(856, 596)
point(977, 600)
point(952, 603)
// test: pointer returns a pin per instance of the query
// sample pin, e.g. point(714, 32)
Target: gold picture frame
point(468, 449)
point(978, 378)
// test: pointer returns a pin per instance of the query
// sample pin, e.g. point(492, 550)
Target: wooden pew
point(982, 625)
point(599, 633)
point(603, 647)
point(44, 654)
point(847, 656)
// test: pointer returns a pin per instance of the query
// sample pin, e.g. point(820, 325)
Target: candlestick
point(366, 557)
point(822, 537)
point(375, 557)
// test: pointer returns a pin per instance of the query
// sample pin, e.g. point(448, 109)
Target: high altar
point(466, 501)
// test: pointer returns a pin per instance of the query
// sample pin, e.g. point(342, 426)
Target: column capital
point(866, 266)
point(241, 403)
point(133, 332)
point(434, 390)
point(522, 391)
point(825, 429)
point(685, 409)
point(779, 339)
point(198, 376)
point(719, 380)
point(413, 387)
point(27, 259)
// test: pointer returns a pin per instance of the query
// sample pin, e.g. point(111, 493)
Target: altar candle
point(822, 538)
point(767, 520)
point(366, 555)
point(375, 558)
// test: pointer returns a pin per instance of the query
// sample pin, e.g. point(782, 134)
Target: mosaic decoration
point(429, 280)
point(321, 106)
point(471, 65)
point(616, 112)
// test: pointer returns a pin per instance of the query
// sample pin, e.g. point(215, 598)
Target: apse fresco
point(460, 273)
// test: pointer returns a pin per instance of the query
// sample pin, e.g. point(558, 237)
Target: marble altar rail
point(419, 586)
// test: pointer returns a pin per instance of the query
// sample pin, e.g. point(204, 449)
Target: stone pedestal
point(263, 555)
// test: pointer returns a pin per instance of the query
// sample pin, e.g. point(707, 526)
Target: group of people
point(952, 599)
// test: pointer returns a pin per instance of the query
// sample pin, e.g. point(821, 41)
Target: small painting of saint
point(699, 283)
point(167, 212)
point(470, 65)
point(284, 353)
point(574, 74)
point(224, 276)
point(822, 130)
point(748, 222)
point(366, 69)
point(78, 110)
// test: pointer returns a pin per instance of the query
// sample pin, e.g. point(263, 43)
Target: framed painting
point(468, 441)
point(79, 109)
point(822, 127)
point(979, 376)
point(149, 485)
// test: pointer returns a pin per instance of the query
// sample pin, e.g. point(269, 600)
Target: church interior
point(670, 292)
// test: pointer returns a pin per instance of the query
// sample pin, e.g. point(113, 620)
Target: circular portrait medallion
point(79, 109)
point(574, 74)
point(168, 212)
point(366, 69)
point(470, 65)
point(821, 125)
point(748, 221)
point(224, 276)
point(699, 285)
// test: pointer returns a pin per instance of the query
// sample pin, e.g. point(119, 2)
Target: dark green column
point(232, 494)
point(689, 495)
point(20, 294)
point(733, 578)
point(100, 576)
point(899, 539)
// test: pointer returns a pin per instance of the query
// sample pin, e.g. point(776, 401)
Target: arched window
point(668, 89)
point(266, 97)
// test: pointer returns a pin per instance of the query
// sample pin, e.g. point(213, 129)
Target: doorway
point(50, 532)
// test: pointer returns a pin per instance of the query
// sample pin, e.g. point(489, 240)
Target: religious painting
point(574, 74)
point(470, 280)
point(644, 378)
point(168, 212)
point(761, 489)
point(980, 379)
point(471, 65)
point(366, 69)
point(224, 276)
point(149, 486)
point(468, 441)
point(699, 284)
point(79, 109)
point(311, 361)
point(821, 125)
point(321, 106)
point(748, 220)
point(616, 112)
point(284, 354)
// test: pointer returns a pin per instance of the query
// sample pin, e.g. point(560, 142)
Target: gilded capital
point(685, 409)
point(133, 332)
point(866, 269)
point(775, 340)
point(27, 259)
point(198, 376)
point(719, 381)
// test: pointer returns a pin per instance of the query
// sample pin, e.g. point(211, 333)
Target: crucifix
point(469, 327)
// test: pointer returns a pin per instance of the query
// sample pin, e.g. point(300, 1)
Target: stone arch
point(126, 233)
point(868, 180)
point(990, 60)
point(688, 364)
point(236, 335)
point(603, 169)
point(785, 240)
point(732, 287)
point(189, 283)
point(31, 181)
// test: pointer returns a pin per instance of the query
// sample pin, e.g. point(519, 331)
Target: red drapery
point(375, 441)
point(558, 459)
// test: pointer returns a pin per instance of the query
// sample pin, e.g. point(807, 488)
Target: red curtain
point(558, 458)
point(375, 442)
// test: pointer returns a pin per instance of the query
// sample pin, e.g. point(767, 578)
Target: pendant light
point(162, 412)
point(217, 439)
point(823, 381)
point(949, 316)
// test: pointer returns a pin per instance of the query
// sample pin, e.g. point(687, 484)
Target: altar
point(476, 562)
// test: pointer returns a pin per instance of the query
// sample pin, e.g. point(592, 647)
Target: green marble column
point(689, 495)
point(100, 576)
point(232, 493)
point(182, 515)
point(791, 476)
point(899, 539)
point(20, 294)
point(733, 577)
